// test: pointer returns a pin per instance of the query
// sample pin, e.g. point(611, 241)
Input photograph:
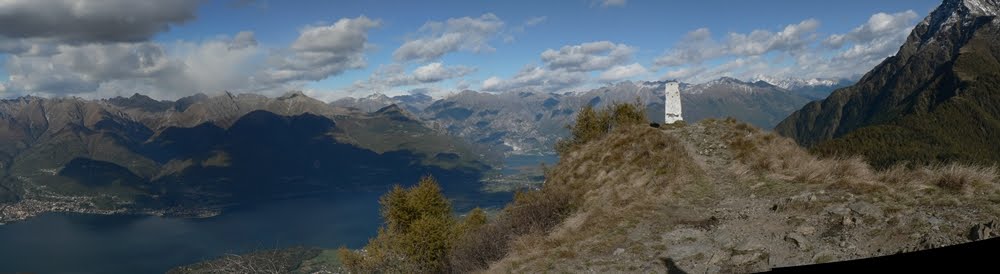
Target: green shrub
point(593, 124)
point(419, 231)
point(530, 212)
point(420, 234)
point(474, 220)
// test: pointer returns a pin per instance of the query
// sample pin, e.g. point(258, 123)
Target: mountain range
point(531, 122)
point(935, 100)
point(201, 151)
point(724, 196)
point(814, 88)
point(138, 153)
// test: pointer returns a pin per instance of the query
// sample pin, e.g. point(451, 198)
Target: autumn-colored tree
point(419, 231)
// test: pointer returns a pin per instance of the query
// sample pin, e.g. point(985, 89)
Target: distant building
point(672, 103)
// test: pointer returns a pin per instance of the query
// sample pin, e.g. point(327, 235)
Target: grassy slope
point(716, 196)
point(383, 134)
point(962, 128)
point(721, 196)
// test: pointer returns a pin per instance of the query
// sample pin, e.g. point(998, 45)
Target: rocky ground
point(740, 200)
point(754, 228)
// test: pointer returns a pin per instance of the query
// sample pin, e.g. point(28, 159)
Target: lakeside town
point(35, 203)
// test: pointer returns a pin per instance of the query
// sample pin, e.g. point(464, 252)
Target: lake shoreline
point(96, 234)
point(29, 208)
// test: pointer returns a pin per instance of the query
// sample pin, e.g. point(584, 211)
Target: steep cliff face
point(937, 99)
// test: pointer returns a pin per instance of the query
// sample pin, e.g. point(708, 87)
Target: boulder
point(984, 231)
point(798, 240)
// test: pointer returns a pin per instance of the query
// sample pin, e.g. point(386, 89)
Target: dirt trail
point(733, 218)
point(775, 224)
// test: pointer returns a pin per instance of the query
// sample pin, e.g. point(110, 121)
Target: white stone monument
point(672, 103)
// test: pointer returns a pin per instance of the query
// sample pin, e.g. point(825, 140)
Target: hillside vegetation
point(201, 154)
point(714, 196)
point(935, 101)
point(723, 196)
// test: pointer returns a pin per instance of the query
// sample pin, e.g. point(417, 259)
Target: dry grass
point(611, 182)
point(962, 178)
point(763, 154)
point(531, 214)
point(637, 181)
point(265, 261)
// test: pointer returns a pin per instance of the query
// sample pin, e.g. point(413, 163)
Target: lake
point(515, 164)
point(80, 243)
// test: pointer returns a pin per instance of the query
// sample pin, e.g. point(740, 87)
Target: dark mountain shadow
point(270, 156)
point(179, 143)
point(94, 173)
point(7, 194)
point(130, 131)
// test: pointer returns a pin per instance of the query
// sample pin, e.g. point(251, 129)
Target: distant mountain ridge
point(139, 153)
point(814, 88)
point(935, 100)
point(531, 122)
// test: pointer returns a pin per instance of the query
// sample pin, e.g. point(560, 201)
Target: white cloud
point(435, 72)
point(620, 72)
point(741, 68)
point(436, 39)
point(321, 51)
point(613, 3)
point(244, 39)
point(462, 85)
point(101, 70)
point(47, 67)
point(390, 76)
point(588, 56)
point(794, 51)
point(491, 83)
point(696, 47)
point(90, 21)
point(537, 79)
point(868, 44)
point(792, 39)
point(571, 66)
point(533, 21)
point(89, 64)
point(686, 73)
point(81, 69)
point(508, 37)
point(220, 65)
point(878, 27)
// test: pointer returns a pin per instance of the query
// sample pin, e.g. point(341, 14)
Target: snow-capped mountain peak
point(796, 83)
point(982, 7)
point(945, 17)
point(379, 97)
point(728, 84)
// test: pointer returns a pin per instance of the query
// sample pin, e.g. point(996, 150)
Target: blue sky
point(182, 47)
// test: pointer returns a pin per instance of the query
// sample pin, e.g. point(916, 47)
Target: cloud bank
point(797, 50)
